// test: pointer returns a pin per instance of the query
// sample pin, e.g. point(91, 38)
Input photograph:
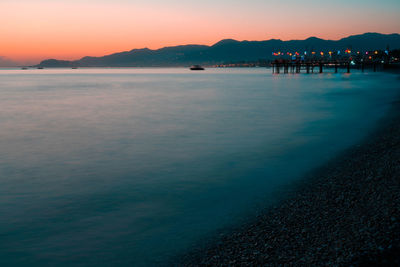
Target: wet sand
point(346, 213)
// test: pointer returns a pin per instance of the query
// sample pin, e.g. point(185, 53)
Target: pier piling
point(296, 66)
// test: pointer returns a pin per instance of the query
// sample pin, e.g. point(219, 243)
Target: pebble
point(347, 215)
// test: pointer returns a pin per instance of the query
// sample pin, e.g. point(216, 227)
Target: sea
point(136, 166)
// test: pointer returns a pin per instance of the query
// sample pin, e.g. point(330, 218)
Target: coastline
point(345, 213)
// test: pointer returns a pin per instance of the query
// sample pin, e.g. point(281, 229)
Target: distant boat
point(74, 68)
point(196, 67)
point(40, 68)
point(24, 68)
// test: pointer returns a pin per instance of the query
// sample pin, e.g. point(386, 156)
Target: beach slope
point(345, 214)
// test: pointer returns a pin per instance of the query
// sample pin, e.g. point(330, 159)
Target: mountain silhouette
point(228, 50)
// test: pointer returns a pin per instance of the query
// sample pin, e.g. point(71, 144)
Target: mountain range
point(228, 50)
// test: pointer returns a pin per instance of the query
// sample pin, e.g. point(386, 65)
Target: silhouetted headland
point(229, 51)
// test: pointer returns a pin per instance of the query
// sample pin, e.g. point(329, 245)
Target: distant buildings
point(347, 55)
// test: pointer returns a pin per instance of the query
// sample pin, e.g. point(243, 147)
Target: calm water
point(131, 166)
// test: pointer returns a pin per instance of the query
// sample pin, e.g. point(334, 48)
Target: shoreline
point(344, 213)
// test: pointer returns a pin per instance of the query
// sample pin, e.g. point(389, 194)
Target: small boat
point(74, 68)
point(40, 68)
point(24, 68)
point(196, 67)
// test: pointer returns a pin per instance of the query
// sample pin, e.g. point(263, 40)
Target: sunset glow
point(33, 30)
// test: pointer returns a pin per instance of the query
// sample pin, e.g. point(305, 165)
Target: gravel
point(345, 214)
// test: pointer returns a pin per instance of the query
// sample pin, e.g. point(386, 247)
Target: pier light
point(322, 53)
point(376, 52)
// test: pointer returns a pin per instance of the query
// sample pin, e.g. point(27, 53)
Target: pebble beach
point(346, 213)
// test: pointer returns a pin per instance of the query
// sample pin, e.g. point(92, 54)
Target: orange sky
point(32, 30)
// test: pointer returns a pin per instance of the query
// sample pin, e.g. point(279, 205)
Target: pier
point(293, 67)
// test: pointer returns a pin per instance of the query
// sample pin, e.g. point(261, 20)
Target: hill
point(227, 51)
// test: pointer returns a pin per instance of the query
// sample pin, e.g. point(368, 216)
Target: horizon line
point(16, 63)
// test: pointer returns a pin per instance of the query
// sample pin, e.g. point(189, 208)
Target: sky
point(33, 30)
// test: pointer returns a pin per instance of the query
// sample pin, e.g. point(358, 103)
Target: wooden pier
point(319, 66)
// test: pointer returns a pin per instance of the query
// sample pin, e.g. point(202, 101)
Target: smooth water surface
point(108, 167)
